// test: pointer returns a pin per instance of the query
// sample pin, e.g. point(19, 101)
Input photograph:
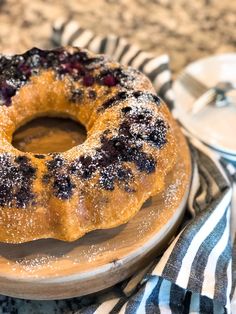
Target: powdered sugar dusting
point(32, 266)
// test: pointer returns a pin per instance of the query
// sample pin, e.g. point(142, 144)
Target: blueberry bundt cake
point(99, 184)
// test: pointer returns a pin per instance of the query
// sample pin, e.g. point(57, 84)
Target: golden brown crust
point(100, 184)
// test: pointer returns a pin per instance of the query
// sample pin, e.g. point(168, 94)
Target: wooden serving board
point(51, 269)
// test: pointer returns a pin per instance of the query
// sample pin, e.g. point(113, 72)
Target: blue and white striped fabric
point(194, 274)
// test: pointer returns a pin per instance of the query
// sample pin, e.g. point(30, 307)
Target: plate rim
point(206, 140)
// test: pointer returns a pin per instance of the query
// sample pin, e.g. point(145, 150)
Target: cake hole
point(48, 135)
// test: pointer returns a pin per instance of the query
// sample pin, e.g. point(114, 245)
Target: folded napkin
point(194, 274)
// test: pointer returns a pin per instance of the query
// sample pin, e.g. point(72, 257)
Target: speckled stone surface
point(186, 30)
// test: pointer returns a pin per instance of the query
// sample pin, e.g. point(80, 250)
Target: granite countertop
point(186, 30)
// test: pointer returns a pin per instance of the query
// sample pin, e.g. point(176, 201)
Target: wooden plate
point(51, 269)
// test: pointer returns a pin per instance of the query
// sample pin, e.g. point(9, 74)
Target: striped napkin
point(194, 274)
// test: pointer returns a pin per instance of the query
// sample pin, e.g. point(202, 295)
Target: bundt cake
point(99, 184)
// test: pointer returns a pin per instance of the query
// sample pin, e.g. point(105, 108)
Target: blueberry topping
point(109, 80)
point(140, 96)
point(59, 178)
point(19, 68)
point(107, 179)
point(83, 167)
point(25, 69)
point(22, 159)
point(76, 95)
point(78, 65)
point(126, 109)
point(145, 163)
point(6, 92)
point(63, 187)
point(120, 96)
point(92, 94)
point(39, 156)
point(139, 125)
point(88, 80)
point(56, 163)
point(116, 76)
point(16, 181)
